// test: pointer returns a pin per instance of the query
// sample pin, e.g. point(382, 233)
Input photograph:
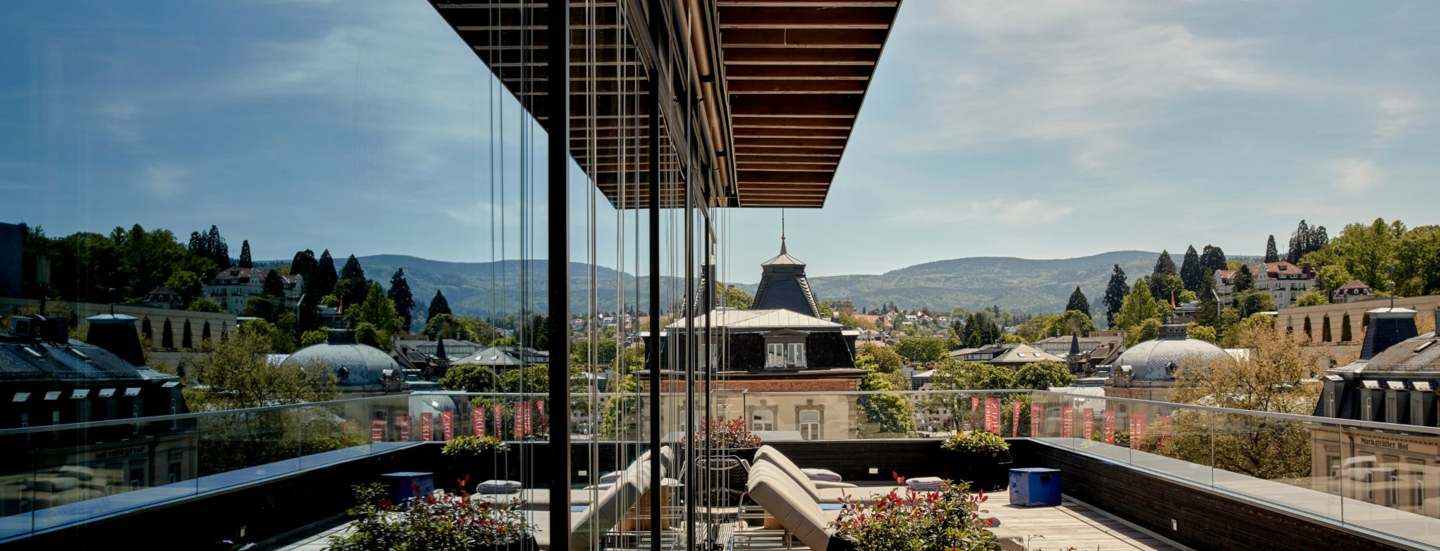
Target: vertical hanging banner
point(425, 426)
point(1067, 421)
point(974, 412)
point(499, 422)
point(540, 410)
point(1137, 434)
point(447, 424)
point(1037, 420)
point(519, 426)
point(526, 406)
point(477, 418)
point(402, 423)
point(1088, 424)
point(377, 429)
point(992, 415)
point(1165, 428)
point(1015, 419)
point(1110, 427)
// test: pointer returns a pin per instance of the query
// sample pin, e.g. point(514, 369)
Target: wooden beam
point(793, 177)
point(802, 38)
point(744, 17)
point(792, 132)
point(799, 56)
point(798, 72)
point(836, 123)
point(791, 105)
point(797, 87)
point(813, 143)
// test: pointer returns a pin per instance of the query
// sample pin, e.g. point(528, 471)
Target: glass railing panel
point(1385, 487)
point(1100, 432)
point(1272, 459)
point(1170, 440)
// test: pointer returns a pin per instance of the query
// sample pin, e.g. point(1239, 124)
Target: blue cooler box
point(406, 485)
point(1035, 487)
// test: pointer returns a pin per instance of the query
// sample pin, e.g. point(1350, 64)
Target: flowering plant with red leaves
point(727, 434)
point(441, 521)
point(918, 521)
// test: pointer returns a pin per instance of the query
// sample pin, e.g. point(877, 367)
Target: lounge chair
point(820, 491)
point(792, 506)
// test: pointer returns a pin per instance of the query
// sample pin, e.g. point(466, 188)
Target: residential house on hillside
point(164, 297)
point(1353, 291)
point(233, 286)
point(1010, 355)
point(1284, 281)
point(1225, 284)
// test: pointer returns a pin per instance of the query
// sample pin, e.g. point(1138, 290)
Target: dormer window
point(785, 349)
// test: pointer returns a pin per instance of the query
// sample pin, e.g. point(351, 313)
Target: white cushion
point(498, 487)
point(791, 506)
point(822, 474)
point(924, 483)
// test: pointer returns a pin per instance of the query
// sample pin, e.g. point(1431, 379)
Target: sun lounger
point(820, 491)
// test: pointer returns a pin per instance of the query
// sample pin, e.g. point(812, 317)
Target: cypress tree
point(274, 285)
point(351, 287)
point(1115, 292)
point(1325, 328)
point(186, 341)
point(245, 261)
point(1078, 302)
point(1244, 280)
point(399, 293)
point(1165, 265)
point(1211, 259)
point(1190, 270)
point(1271, 254)
point(1345, 333)
point(167, 335)
point(438, 305)
point(1308, 334)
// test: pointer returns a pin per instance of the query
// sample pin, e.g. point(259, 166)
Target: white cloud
point(1396, 114)
point(1354, 176)
point(988, 212)
point(164, 180)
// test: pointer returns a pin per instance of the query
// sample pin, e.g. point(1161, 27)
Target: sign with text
point(402, 424)
point(974, 412)
point(540, 410)
point(1067, 421)
point(1037, 419)
point(1137, 431)
point(1165, 428)
point(426, 428)
point(377, 430)
point(526, 408)
point(519, 423)
point(477, 418)
point(1015, 419)
point(447, 424)
point(499, 422)
point(1087, 420)
point(992, 415)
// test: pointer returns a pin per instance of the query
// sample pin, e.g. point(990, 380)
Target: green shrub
point(979, 442)
point(471, 446)
point(918, 521)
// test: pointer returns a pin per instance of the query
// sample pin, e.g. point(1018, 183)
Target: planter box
point(982, 471)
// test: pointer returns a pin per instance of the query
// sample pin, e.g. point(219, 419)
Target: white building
point(1284, 281)
point(232, 286)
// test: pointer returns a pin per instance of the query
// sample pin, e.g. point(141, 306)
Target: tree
point(470, 378)
point(379, 312)
point(245, 261)
point(305, 265)
point(1148, 330)
point(1309, 336)
point(1277, 376)
point(1254, 302)
point(1345, 333)
point(1190, 269)
point(1312, 298)
point(186, 283)
point(1211, 259)
point(921, 349)
point(274, 285)
point(204, 304)
point(325, 276)
point(738, 299)
point(1329, 278)
point(1201, 332)
point(1325, 329)
point(1244, 281)
point(1164, 265)
point(978, 330)
point(352, 286)
point(399, 294)
point(1072, 322)
point(367, 334)
point(886, 359)
point(1166, 288)
point(311, 338)
point(1306, 240)
point(1043, 376)
point(1271, 255)
point(438, 305)
point(210, 245)
point(1115, 292)
point(237, 374)
point(1139, 305)
point(1078, 302)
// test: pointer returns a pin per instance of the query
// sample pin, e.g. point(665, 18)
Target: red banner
point(1137, 433)
point(540, 410)
point(499, 422)
point(1088, 420)
point(1110, 427)
point(377, 430)
point(1165, 428)
point(519, 422)
point(1015, 419)
point(1037, 420)
point(425, 426)
point(974, 412)
point(447, 424)
point(1067, 421)
point(526, 406)
point(477, 417)
point(402, 423)
point(992, 415)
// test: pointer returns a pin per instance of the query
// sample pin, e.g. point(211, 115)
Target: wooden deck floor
point(1069, 525)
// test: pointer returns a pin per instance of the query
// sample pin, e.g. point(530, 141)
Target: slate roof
point(493, 357)
point(761, 319)
point(1021, 353)
point(783, 285)
point(1151, 360)
point(72, 362)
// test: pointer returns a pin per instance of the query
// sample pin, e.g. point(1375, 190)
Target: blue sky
point(1038, 129)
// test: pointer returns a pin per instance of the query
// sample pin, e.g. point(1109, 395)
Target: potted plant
point(474, 454)
point(979, 457)
point(441, 521)
point(727, 437)
point(946, 519)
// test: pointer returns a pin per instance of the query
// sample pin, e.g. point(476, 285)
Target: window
point(1334, 463)
point(1417, 491)
point(774, 355)
point(795, 354)
point(1395, 488)
point(762, 419)
point(809, 421)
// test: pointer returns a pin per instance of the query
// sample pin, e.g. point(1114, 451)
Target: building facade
point(1284, 281)
point(233, 286)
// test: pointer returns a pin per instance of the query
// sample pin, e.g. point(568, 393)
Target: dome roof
point(1153, 360)
point(358, 367)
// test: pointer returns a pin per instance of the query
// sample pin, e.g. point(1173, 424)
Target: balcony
point(282, 475)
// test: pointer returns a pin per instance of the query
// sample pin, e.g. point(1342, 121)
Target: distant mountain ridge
point(1015, 284)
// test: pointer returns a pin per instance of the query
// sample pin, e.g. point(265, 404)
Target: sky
point(1035, 129)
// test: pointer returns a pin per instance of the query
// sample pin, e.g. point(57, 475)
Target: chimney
point(54, 330)
point(1305, 268)
point(1388, 326)
point(117, 334)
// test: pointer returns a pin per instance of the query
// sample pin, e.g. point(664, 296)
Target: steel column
point(557, 165)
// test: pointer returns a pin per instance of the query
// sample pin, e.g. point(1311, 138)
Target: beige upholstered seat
point(831, 492)
point(790, 504)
